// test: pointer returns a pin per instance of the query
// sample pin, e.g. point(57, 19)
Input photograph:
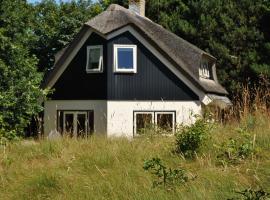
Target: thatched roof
point(184, 55)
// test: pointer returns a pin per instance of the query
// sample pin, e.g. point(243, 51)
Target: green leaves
point(166, 177)
point(190, 138)
point(226, 29)
point(19, 79)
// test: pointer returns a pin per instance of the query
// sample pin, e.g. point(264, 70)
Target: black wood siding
point(153, 80)
point(76, 84)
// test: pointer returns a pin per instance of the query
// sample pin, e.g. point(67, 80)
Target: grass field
point(100, 168)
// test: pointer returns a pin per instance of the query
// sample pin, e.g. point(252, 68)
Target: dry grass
point(100, 168)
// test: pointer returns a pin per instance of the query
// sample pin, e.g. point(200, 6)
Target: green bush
point(236, 149)
point(189, 139)
point(250, 194)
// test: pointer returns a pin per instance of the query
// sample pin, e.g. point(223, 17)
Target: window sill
point(93, 72)
point(125, 71)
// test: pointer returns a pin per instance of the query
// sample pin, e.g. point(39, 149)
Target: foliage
point(235, 32)
point(250, 194)
point(190, 138)
point(19, 79)
point(55, 25)
point(237, 149)
point(166, 177)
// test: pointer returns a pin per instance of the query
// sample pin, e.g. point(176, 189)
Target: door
point(76, 123)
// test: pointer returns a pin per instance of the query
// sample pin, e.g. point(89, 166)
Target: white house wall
point(120, 113)
point(99, 108)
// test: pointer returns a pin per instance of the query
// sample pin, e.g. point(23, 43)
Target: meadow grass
point(102, 168)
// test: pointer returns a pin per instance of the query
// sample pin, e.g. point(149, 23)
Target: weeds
point(237, 149)
point(250, 194)
point(165, 176)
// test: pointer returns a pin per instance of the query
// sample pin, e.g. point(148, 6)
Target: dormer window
point(125, 58)
point(94, 62)
point(204, 70)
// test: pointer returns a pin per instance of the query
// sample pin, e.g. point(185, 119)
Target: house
point(123, 71)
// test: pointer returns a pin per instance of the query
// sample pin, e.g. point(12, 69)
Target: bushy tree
point(55, 25)
point(19, 79)
point(235, 32)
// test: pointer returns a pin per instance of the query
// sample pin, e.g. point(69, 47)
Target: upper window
point(125, 58)
point(204, 70)
point(94, 59)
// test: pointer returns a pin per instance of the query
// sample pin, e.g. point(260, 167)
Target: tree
point(19, 79)
point(55, 25)
point(235, 32)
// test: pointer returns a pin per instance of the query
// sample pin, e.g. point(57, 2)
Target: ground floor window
point(75, 123)
point(159, 120)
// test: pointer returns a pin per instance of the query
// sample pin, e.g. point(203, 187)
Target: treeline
point(236, 32)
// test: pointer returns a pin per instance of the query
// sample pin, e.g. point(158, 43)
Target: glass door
point(75, 123)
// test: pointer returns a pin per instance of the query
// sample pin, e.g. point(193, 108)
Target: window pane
point(143, 122)
point(165, 122)
point(125, 58)
point(90, 122)
point(81, 125)
point(69, 124)
point(94, 56)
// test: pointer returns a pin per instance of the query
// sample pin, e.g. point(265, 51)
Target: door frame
point(75, 117)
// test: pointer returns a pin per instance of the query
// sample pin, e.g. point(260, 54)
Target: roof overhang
point(216, 100)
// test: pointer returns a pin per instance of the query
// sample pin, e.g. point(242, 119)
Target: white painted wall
point(120, 113)
point(115, 118)
point(99, 107)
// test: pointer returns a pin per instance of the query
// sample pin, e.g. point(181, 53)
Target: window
point(143, 122)
point(204, 70)
point(162, 121)
point(75, 123)
point(94, 59)
point(125, 58)
point(165, 121)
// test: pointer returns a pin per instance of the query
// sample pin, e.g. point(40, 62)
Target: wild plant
point(165, 176)
point(237, 149)
point(250, 194)
point(190, 138)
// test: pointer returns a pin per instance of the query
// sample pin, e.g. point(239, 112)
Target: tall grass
point(100, 168)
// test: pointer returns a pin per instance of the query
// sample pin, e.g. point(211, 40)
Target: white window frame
point(204, 71)
point(75, 117)
point(115, 56)
point(142, 112)
point(166, 112)
point(100, 66)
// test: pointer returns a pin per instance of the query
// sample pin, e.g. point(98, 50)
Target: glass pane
point(69, 126)
point(165, 121)
point(90, 122)
point(94, 56)
point(81, 125)
point(143, 123)
point(125, 58)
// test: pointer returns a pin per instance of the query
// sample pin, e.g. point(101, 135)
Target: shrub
point(250, 194)
point(166, 177)
point(190, 138)
point(236, 149)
